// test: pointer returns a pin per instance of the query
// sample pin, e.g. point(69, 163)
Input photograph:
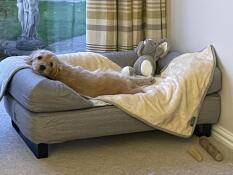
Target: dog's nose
point(42, 67)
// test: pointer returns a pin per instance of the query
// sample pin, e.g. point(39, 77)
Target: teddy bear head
point(152, 48)
point(148, 51)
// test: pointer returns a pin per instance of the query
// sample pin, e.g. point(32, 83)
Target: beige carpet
point(150, 153)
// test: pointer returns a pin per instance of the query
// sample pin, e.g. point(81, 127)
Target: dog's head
point(44, 62)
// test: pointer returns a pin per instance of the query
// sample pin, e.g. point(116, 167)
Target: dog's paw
point(151, 80)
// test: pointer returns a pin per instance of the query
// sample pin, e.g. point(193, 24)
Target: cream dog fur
point(88, 83)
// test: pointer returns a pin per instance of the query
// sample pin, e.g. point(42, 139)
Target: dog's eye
point(51, 64)
point(39, 57)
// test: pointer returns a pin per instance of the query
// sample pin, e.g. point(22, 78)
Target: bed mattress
point(91, 122)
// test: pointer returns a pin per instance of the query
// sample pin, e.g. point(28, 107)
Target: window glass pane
point(62, 25)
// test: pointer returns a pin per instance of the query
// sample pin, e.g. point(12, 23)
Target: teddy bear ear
point(162, 48)
point(139, 48)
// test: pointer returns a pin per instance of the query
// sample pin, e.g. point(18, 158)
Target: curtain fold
point(115, 25)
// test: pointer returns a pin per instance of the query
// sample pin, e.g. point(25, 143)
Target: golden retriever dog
point(83, 81)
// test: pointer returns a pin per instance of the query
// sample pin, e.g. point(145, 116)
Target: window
point(62, 26)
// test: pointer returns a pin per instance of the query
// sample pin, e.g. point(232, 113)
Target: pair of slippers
point(209, 147)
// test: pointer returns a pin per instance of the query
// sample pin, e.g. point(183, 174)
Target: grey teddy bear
point(149, 52)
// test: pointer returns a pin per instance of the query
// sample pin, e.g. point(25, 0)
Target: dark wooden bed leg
point(203, 130)
point(39, 150)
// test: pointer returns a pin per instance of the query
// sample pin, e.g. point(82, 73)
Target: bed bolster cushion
point(124, 58)
point(39, 94)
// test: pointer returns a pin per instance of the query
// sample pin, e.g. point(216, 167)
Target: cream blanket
point(171, 104)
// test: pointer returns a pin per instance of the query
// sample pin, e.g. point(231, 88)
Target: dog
point(83, 81)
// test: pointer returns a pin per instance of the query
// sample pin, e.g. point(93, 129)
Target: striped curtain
point(115, 25)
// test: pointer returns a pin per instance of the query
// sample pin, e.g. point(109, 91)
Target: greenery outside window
point(62, 25)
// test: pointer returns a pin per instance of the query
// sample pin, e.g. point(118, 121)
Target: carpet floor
point(148, 153)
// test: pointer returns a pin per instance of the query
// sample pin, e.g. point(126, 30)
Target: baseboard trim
point(223, 135)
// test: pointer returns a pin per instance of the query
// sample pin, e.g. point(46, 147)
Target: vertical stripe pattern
point(114, 25)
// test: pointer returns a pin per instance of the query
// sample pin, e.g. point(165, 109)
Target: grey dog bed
point(45, 111)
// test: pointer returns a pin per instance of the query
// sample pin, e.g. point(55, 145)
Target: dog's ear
point(28, 60)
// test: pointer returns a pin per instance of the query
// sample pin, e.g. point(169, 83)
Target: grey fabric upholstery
point(123, 59)
point(98, 121)
point(39, 94)
point(216, 84)
point(70, 125)
point(162, 63)
point(210, 110)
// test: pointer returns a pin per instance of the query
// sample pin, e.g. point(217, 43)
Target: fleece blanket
point(172, 104)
